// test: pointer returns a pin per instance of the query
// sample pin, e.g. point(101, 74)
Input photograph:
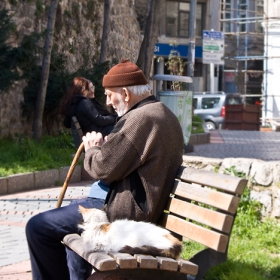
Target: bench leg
point(207, 259)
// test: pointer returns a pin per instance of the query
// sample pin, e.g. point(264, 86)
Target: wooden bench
point(76, 132)
point(202, 208)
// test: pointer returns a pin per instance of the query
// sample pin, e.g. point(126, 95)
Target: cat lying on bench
point(125, 236)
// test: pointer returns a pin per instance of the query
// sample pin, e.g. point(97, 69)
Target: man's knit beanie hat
point(124, 74)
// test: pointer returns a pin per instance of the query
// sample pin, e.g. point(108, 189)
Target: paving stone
point(241, 144)
point(17, 209)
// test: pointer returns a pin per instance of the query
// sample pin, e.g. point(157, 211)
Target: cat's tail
point(172, 252)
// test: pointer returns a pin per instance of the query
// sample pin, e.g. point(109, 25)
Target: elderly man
point(138, 161)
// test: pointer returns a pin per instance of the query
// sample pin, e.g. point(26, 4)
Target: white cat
point(126, 236)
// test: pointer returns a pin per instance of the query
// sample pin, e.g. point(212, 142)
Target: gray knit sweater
point(140, 161)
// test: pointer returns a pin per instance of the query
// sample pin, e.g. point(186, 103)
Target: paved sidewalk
point(241, 144)
point(16, 209)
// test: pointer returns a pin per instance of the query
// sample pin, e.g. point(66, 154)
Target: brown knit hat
point(124, 74)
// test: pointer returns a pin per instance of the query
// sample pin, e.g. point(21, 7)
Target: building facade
point(174, 36)
point(240, 21)
point(271, 94)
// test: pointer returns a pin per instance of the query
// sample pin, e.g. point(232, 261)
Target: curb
point(39, 180)
point(199, 138)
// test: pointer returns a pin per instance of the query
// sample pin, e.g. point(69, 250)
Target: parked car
point(211, 106)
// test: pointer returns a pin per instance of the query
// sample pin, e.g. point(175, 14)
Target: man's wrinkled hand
point(93, 139)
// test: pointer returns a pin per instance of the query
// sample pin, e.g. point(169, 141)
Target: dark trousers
point(50, 259)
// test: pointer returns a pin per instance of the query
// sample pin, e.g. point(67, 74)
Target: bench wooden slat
point(223, 201)
point(187, 267)
point(167, 264)
point(202, 215)
point(124, 260)
point(220, 181)
point(99, 260)
point(146, 261)
point(204, 236)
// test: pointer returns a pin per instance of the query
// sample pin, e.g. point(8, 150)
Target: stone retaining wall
point(264, 178)
point(78, 33)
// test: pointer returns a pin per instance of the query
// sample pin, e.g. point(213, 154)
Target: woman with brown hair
point(80, 101)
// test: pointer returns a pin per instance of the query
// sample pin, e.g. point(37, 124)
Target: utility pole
point(191, 50)
point(191, 57)
point(212, 75)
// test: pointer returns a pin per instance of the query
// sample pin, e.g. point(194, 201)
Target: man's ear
point(127, 95)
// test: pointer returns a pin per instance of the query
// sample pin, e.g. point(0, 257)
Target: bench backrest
point(76, 132)
point(203, 207)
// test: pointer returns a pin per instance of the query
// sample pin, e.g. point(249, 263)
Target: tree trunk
point(146, 53)
point(40, 101)
point(106, 22)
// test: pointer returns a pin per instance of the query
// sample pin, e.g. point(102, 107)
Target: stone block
point(276, 173)
point(265, 198)
point(209, 164)
point(3, 185)
point(46, 178)
point(21, 182)
point(276, 205)
point(261, 173)
point(75, 177)
point(240, 165)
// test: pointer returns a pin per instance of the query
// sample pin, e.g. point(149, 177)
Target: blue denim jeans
point(50, 259)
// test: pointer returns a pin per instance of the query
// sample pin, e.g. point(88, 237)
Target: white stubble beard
point(121, 110)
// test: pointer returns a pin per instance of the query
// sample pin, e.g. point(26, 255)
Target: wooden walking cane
point(69, 174)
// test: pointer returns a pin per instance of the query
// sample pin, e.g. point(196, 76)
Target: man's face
point(115, 98)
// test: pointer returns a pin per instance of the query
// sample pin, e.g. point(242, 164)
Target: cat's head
point(93, 215)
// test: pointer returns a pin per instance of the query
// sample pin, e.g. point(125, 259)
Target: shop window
point(178, 17)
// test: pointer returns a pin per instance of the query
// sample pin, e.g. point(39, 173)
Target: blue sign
point(206, 34)
point(165, 49)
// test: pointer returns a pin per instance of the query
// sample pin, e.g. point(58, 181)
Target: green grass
point(22, 154)
point(197, 126)
point(254, 249)
point(254, 252)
